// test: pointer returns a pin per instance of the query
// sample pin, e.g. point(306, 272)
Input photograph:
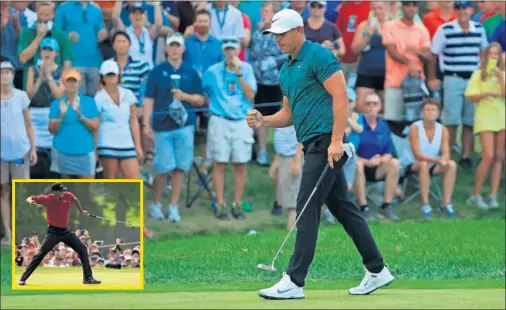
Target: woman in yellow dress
point(486, 90)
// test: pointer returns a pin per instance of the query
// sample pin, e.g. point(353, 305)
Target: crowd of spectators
point(62, 256)
point(124, 86)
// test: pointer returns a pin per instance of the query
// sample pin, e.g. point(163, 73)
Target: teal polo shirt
point(302, 80)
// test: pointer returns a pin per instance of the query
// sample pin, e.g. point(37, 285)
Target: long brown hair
point(484, 62)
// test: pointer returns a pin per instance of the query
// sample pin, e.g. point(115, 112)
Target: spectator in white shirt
point(226, 20)
point(143, 37)
point(17, 140)
point(119, 138)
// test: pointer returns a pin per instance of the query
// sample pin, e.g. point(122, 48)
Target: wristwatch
point(239, 75)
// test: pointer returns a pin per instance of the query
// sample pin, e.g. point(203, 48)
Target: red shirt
point(433, 20)
point(57, 211)
point(351, 14)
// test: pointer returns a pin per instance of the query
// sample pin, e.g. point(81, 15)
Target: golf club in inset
point(271, 267)
point(103, 218)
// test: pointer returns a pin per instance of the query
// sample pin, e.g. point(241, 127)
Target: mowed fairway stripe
point(315, 299)
point(76, 279)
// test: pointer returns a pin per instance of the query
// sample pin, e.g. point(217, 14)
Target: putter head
point(266, 267)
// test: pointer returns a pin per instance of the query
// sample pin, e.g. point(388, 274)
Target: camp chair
point(409, 179)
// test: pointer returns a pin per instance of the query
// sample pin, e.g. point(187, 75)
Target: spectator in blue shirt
point(173, 88)
point(9, 30)
point(376, 161)
point(84, 24)
point(231, 87)
point(74, 120)
point(202, 49)
point(171, 11)
point(499, 35)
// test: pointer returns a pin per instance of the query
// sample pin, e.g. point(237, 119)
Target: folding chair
point(204, 185)
point(409, 179)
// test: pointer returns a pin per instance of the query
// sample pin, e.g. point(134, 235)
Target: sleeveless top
point(429, 148)
point(372, 62)
point(43, 96)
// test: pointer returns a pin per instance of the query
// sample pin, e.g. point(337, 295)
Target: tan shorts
point(229, 141)
point(11, 170)
point(393, 107)
point(288, 185)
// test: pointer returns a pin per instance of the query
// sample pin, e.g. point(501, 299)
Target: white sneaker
point(372, 282)
point(174, 216)
point(284, 289)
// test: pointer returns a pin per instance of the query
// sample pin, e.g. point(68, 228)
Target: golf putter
point(271, 267)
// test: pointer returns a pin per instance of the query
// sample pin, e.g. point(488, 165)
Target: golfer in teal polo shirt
point(315, 101)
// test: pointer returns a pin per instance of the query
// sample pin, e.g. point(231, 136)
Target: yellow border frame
point(15, 286)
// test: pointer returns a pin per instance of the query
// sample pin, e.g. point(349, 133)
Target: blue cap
point(136, 6)
point(462, 4)
point(50, 43)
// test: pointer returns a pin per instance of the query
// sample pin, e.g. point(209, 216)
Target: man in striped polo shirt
point(458, 44)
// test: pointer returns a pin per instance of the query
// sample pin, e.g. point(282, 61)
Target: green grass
point(317, 299)
point(259, 192)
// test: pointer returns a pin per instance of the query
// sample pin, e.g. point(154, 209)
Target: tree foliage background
point(115, 201)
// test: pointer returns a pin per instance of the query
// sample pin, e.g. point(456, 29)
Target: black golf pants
point(334, 192)
point(51, 238)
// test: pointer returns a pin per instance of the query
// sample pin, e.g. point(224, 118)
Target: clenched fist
point(255, 119)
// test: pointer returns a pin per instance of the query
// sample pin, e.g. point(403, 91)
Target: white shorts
point(288, 185)
point(229, 141)
point(393, 107)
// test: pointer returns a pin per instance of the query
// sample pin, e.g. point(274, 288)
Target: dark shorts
point(370, 174)
point(268, 94)
point(410, 170)
point(374, 82)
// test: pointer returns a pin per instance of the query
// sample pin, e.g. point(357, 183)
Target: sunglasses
point(225, 41)
point(372, 103)
point(316, 5)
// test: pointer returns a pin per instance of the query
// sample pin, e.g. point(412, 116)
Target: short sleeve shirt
point(302, 81)
point(328, 31)
point(114, 129)
point(57, 211)
point(226, 23)
point(73, 137)
point(14, 138)
point(377, 141)
point(159, 88)
point(226, 98)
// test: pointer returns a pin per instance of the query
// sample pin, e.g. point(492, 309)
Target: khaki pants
point(11, 170)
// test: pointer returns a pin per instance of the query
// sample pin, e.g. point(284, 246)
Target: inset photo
point(77, 234)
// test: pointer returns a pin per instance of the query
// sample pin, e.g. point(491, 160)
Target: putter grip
point(322, 176)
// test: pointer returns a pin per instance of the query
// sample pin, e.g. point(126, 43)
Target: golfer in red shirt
point(57, 207)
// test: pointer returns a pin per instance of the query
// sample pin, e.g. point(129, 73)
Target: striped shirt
point(133, 77)
point(459, 51)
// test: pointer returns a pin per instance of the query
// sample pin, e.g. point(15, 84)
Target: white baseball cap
point(175, 38)
point(108, 67)
point(284, 21)
point(6, 65)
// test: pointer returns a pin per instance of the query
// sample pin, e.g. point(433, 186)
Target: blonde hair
point(484, 62)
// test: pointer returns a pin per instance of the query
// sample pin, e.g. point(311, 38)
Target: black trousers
point(334, 192)
point(51, 238)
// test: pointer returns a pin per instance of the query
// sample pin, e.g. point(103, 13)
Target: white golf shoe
point(284, 289)
point(372, 282)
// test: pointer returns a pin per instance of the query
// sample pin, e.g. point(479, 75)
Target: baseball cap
point(109, 67)
point(324, 3)
point(175, 38)
point(462, 4)
point(136, 6)
point(6, 65)
point(58, 187)
point(284, 21)
point(71, 74)
point(230, 42)
point(50, 43)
